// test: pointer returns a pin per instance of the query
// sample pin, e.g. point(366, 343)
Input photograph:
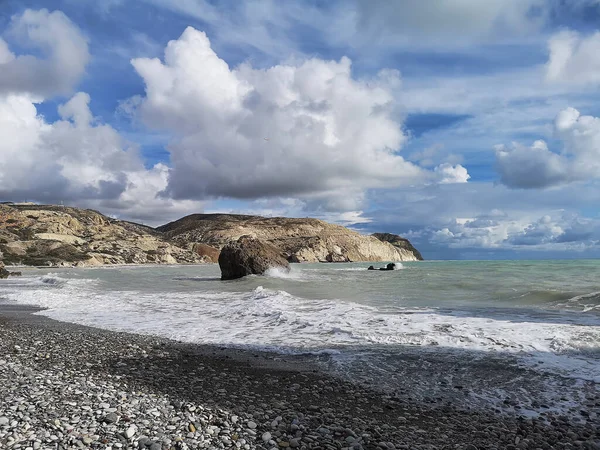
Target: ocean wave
point(291, 274)
point(584, 302)
point(275, 319)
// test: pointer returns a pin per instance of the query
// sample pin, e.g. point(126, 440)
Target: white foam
point(277, 320)
point(291, 274)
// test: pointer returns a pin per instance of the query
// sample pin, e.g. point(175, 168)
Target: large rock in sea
point(5, 273)
point(248, 256)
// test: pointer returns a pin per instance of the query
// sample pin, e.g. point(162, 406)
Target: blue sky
point(470, 127)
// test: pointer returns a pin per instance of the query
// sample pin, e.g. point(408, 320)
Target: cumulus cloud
point(64, 54)
point(530, 167)
point(574, 58)
point(548, 232)
point(70, 158)
point(76, 160)
point(300, 129)
point(481, 219)
point(448, 173)
point(538, 167)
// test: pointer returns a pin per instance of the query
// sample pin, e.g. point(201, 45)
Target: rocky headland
point(298, 239)
point(51, 235)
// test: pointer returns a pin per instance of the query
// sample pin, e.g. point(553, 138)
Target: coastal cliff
point(51, 235)
point(45, 235)
point(399, 242)
point(300, 240)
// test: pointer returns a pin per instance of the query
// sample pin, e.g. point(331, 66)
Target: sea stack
point(248, 256)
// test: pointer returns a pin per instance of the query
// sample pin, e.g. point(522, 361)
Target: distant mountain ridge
point(51, 235)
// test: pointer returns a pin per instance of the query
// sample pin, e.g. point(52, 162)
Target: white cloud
point(451, 174)
point(306, 129)
point(560, 231)
point(574, 59)
point(537, 167)
point(5, 54)
point(77, 160)
point(72, 159)
point(61, 42)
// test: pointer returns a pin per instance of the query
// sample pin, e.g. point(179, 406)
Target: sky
point(470, 127)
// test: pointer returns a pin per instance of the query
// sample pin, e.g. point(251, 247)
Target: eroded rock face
point(248, 256)
point(46, 235)
point(207, 252)
point(301, 240)
point(398, 242)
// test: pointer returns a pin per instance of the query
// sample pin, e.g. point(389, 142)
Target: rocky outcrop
point(42, 235)
point(208, 253)
point(300, 240)
point(5, 273)
point(248, 256)
point(389, 266)
point(399, 242)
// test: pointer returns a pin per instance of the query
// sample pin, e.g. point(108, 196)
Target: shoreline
point(63, 383)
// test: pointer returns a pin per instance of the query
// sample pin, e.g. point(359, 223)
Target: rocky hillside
point(41, 235)
point(300, 240)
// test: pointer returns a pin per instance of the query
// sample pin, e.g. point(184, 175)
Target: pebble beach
point(65, 386)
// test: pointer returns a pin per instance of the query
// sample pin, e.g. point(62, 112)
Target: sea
point(519, 336)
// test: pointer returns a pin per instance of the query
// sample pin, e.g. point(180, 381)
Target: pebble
point(111, 418)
